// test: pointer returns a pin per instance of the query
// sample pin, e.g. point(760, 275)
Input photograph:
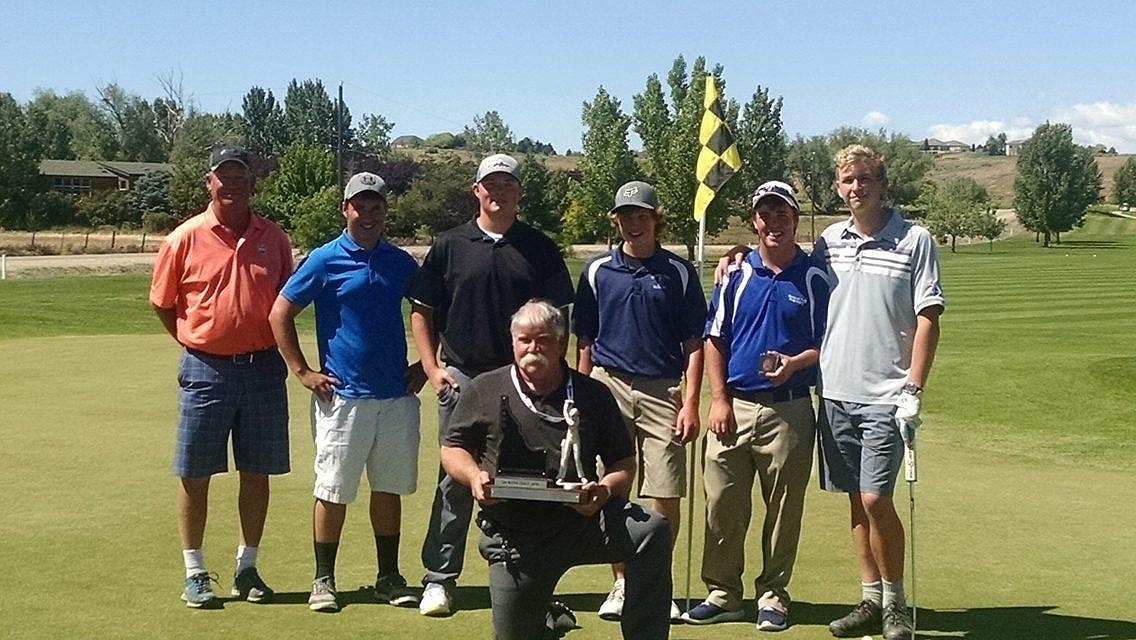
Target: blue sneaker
point(709, 613)
point(198, 593)
point(772, 619)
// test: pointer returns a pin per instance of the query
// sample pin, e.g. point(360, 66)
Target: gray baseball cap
point(636, 194)
point(777, 189)
point(498, 163)
point(364, 181)
point(228, 153)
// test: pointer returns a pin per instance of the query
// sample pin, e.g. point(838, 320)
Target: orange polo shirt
point(222, 287)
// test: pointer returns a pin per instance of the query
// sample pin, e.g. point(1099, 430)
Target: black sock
point(325, 558)
point(386, 548)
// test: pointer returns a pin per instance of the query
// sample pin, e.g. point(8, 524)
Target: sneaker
point(435, 600)
point(864, 620)
point(710, 613)
point(676, 613)
point(559, 619)
point(248, 585)
point(392, 589)
point(198, 593)
point(772, 619)
point(612, 607)
point(323, 595)
point(897, 622)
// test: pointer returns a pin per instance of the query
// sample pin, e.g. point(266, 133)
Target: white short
point(356, 433)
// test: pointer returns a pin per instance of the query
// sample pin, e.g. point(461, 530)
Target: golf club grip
point(909, 469)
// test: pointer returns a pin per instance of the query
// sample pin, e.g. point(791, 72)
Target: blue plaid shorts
point(244, 395)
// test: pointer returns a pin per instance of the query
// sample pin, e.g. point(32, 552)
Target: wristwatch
point(912, 388)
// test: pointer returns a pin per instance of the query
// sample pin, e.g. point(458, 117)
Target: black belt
point(771, 396)
point(236, 358)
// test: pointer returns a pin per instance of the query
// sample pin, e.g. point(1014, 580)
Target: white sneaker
point(435, 601)
point(676, 614)
point(612, 608)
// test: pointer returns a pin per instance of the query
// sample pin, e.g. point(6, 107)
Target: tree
point(70, 127)
point(810, 162)
point(374, 134)
point(762, 145)
point(989, 226)
point(1124, 182)
point(669, 130)
point(134, 124)
point(445, 140)
point(995, 146)
point(305, 171)
point(315, 219)
point(20, 179)
point(1056, 182)
point(489, 134)
point(152, 193)
point(309, 117)
point(528, 145)
point(953, 208)
point(539, 204)
point(607, 164)
point(261, 123)
point(398, 173)
point(190, 159)
point(439, 199)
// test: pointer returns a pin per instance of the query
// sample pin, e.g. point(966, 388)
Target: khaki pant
point(774, 443)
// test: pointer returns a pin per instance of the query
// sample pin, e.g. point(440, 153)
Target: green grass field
point(1025, 499)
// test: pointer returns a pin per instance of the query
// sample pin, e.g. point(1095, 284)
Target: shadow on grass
point(987, 623)
point(1090, 244)
point(364, 595)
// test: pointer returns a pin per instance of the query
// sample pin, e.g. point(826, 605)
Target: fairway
point(1025, 501)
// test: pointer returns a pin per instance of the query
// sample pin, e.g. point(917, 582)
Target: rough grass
point(1024, 501)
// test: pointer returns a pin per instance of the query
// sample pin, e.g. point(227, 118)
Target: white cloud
point(875, 119)
point(1113, 125)
point(977, 131)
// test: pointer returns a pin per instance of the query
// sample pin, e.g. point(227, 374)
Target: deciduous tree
point(607, 164)
point(374, 134)
point(19, 164)
point(261, 123)
point(1057, 181)
point(954, 208)
point(489, 134)
point(1124, 182)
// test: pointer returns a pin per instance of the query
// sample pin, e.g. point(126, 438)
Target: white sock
point(194, 561)
point(246, 557)
point(872, 591)
point(893, 592)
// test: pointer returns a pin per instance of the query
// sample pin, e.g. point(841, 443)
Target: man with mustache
point(530, 544)
point(472, 280)
point(215, 279)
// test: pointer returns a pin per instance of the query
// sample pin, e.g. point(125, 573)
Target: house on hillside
point(81, 176)
point(1013, 147)
point(934, 145)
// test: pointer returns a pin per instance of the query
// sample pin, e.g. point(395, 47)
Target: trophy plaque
point(524, 474)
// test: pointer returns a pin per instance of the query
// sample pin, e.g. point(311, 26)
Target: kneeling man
point(531, 544)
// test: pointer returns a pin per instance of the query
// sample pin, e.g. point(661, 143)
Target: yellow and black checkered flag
point(719, 157)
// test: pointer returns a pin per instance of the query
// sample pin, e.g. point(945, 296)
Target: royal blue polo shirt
point(358, 308)
point(757, 310)
point(474, 283)
point(637, 313)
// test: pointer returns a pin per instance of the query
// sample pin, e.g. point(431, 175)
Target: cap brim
point(783, 198)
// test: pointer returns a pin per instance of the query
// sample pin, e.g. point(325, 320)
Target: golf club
point(910, 473)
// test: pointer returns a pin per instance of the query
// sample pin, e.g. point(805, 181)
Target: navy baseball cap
point(775, 189)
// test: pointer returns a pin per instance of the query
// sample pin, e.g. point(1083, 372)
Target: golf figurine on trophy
point(525, 474)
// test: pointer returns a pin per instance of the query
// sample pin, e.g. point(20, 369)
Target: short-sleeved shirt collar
point(893, 228)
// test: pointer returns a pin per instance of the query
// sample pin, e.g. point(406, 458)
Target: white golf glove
point(907, 407)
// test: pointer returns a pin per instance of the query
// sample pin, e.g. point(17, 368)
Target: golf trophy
point(525, 474)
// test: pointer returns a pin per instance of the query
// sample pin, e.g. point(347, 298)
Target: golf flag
point(719, 158)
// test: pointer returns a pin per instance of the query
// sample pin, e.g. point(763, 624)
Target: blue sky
point(952, 70)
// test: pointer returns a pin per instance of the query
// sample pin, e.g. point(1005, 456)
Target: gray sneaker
point(864, 620)
point(248, 585)
point(897, 623)
point(198, 592)
point(392, 589)
point(323, 595)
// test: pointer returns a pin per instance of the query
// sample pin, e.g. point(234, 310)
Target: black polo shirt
point(474, 284)
point(476, 427)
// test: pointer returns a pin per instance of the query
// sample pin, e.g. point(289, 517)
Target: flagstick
point(693, 444)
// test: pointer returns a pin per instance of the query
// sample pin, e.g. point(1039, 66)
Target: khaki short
point(650, 407)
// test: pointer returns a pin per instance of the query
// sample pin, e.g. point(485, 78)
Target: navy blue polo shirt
point(638, 313)
point(757, 310)
point(474, 284)
point(358, 308)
